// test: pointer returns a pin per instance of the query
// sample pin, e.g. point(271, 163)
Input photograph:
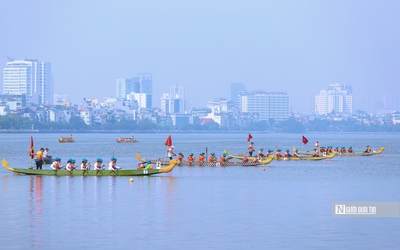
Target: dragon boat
point(209, 164)
point(104, 172)
point(129, 140)
point(283, 158)
point(66, 139)
point(373, 152)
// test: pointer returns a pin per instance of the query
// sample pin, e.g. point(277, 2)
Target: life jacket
point(350, 150)
point(342, 150)
point(190, 158)
point(222, 159)
point(278, 154)
point(211, 158)
point(39, 154)
point(180, 157)
point(201, 158)
point(251, 149)
point(329, 150)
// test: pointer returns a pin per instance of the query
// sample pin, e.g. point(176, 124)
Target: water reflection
point(35, 211)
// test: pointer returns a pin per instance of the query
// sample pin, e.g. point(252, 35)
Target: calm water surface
point(284, 205)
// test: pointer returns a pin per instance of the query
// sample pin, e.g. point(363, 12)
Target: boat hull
point(350, 154)
point(282, 158)
point(210, 164)
point(63, 172)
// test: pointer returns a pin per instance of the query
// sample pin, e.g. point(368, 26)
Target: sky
point(296, 46)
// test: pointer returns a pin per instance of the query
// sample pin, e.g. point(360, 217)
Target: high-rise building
point(236, 89)
point(31, 78)
point(337, 98)
point(141, 84)
point(174, 102)
point(269, 105)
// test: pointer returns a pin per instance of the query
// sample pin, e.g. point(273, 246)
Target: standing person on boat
point(70, 165)
point(170, 152)
point(97, 165)
point(251, 149)
point(56, 165)
point(316, 145)
point(180, 156)
point(84, 164)
point(212, 158)
point(201, 157)
point(112, 165)
point(39, 158)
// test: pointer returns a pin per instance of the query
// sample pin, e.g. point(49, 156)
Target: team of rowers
point(84, 165)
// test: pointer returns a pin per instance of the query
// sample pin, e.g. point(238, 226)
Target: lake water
point(283, 205)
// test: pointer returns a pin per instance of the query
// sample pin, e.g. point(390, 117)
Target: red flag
point(31, 150)
point(304, 140)
point(249, 138)
point(168, 142)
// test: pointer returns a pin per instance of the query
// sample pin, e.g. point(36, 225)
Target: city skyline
point(298, 47)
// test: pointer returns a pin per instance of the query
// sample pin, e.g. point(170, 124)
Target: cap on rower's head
point(84, 160)
point(73, 160)
point(113, 158)
point(57, 159)
point(99, 160)
point(148, 161)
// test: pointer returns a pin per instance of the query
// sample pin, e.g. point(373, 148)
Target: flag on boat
point(168, 142)
point(249, 138)
point(304, 140)
point(31, 149)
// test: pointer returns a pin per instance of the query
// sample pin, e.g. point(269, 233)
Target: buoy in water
point(264, 169)
point(131, 180)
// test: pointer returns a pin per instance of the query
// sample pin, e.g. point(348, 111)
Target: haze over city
point(296, 46)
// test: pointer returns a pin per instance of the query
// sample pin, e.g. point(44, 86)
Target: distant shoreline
point(28, 131)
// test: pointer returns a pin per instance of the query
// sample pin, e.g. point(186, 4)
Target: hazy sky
point(295, 46)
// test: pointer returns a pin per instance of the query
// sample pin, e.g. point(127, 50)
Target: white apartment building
point(269, 105)
point(31, 78)
point(337, 98)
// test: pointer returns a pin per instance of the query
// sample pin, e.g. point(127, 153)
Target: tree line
point(14, 122)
